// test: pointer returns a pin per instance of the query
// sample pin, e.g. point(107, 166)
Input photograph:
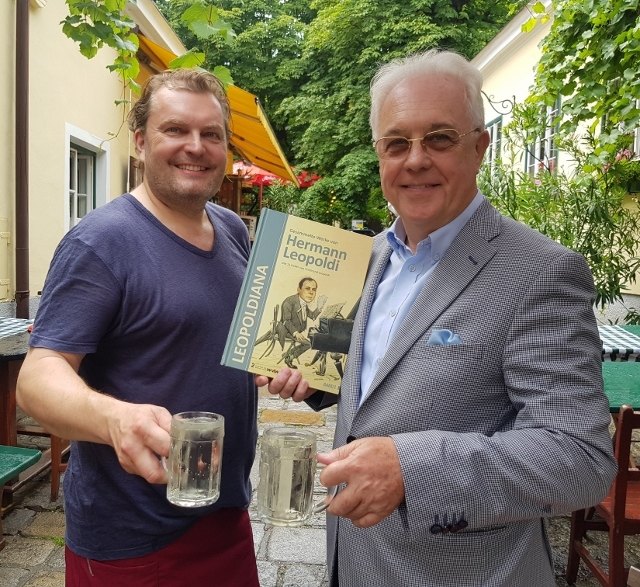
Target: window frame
point(493, 153)
point(100, 149)
point(81, 166)
point(544, 153)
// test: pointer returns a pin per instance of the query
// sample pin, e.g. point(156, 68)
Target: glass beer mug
point(287, 476)
point(195, 458)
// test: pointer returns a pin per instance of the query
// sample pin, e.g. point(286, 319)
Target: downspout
point(22, 159)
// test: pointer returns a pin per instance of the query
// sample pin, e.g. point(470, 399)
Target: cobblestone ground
point(287, 557)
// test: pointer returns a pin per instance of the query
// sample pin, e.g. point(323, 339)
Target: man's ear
point(138, 141)
point(482, 142)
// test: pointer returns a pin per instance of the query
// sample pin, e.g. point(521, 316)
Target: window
point(543, 154)
point(492, 155)
point(87, 174)
point(81, 184)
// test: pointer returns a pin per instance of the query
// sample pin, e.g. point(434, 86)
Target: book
point(304, 280)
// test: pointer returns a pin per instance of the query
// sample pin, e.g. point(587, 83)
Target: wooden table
point(13, 349)
point(622, 384)
point(12, 352)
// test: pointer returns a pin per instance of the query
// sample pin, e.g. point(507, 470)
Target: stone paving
point(287, 557)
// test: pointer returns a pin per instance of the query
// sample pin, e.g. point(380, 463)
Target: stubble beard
point(179, 194)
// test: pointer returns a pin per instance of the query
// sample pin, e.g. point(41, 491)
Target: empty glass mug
point(287, 476)
point(195, 458)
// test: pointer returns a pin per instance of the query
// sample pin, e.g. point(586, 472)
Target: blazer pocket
point(481, 532)
point(453, 352)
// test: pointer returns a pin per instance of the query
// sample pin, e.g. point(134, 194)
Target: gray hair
point(431, 62)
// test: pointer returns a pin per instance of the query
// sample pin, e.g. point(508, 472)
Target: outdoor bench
point(14, 460)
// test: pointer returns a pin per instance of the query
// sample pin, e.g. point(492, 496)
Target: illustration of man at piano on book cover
point(300, 324)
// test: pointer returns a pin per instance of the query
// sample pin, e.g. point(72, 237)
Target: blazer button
point(436, 529)
point(459, 525)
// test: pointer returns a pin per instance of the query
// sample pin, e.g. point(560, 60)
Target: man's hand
point(50, 389)
point(288, 384)
point(139, 433)
point(370, 468)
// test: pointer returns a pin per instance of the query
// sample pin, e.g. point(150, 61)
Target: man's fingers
point(285, 382)
point(367, 521)
point(337, 454)
point(353, 505)
point(371, 473)
point(148, 466)
point(356, 505)
point(261, 380)
point(289, 384)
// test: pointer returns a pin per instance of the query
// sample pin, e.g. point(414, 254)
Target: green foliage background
point(591, 61)
point(310, 63)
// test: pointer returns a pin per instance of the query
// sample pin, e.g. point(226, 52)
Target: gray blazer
point(495, 433)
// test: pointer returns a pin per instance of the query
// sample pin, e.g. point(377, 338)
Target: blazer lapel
point(468, 254)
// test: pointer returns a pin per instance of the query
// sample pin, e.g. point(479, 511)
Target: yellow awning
point(252, 136)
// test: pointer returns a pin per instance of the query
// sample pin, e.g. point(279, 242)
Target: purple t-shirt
point(151, 313)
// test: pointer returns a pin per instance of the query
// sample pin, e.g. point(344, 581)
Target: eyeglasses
point(435, 141)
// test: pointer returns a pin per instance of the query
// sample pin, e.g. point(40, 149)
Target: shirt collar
point(439, 240)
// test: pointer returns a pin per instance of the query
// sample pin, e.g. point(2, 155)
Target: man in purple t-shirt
point(130, 329)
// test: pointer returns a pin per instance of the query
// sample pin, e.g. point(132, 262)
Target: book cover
point(303, 282)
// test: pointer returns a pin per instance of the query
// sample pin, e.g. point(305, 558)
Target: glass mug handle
point(331, 493)
point(324, 504)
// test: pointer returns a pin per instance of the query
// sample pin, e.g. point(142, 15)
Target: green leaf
point(223, 74)
point(198, 12)
point(538, 8)
point(115, 5)
point(125, 45)
point(191, 58)
point(88, 51)
point(135, 86)
point(205, 30)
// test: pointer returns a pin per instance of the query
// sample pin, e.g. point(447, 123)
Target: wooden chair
point(618, 514)
point(59, 447)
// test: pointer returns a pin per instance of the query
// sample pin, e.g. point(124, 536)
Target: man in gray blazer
point(472, 405)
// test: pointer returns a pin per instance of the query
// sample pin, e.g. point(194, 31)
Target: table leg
point(8, 378)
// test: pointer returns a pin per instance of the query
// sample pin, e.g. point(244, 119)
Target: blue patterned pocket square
point(443, 337)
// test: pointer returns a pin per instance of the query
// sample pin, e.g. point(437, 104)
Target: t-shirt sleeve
point(80, 301)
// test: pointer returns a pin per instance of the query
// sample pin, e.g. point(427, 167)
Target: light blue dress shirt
point(402, 281)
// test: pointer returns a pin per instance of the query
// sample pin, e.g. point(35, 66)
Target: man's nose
point(194, 142)
point(417, 156)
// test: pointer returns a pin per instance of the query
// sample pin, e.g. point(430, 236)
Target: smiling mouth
point(186, 167)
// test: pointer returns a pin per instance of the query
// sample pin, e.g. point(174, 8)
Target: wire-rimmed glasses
point(436, 141)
